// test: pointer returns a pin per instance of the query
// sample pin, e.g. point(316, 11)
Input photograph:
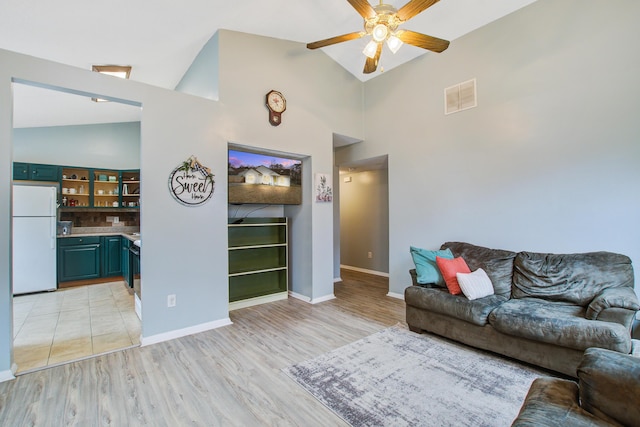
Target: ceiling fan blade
point(413, 8)
point(363, 8)
point(334, 40)
point(372, 63)
point(422, 40)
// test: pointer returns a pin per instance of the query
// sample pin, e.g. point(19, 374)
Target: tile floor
point(73, 323)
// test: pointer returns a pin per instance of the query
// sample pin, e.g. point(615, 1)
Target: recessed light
point(121, 71)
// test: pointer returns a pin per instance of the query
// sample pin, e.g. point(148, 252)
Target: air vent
point(460, 97)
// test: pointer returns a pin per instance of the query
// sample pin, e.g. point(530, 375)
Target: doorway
point(54, 127)
point(364, 216)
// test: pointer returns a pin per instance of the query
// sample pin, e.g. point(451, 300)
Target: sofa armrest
point(622, 297)
point(610, 385)
point(553, 402)
point(621, 316)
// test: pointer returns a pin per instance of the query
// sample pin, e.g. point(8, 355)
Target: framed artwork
point(323, 188)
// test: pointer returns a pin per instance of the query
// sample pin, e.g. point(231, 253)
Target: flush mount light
point(121, 71)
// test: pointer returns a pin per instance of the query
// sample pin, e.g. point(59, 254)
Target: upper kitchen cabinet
point(75, 187)
point(106, 188)
point(130, 188)
point(35, 172)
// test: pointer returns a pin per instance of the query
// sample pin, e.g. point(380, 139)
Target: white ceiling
point(160, 39)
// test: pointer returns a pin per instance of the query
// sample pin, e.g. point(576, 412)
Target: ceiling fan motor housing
point(383, 24)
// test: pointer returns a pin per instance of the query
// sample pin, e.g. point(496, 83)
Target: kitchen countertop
point(131, 233)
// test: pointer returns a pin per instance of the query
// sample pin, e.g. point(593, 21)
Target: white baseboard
point(178, 333)
point(6, 376)
point(395, 295)
point(323, 299)
point(311, 301)
point(257, 300)
point(299, 296)
point(364, 270)
point(337, 279)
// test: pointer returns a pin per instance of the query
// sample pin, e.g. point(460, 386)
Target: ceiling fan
point(381, 23)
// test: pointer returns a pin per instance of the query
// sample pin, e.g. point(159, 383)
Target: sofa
point(544, 309)
point(607, 394)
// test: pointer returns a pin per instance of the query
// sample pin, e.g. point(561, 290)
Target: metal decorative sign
point(191, 183)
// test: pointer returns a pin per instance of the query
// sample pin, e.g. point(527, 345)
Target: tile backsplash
point(102, 219)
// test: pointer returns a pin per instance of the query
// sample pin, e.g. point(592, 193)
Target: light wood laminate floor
point(50, 328)
point(230, 376)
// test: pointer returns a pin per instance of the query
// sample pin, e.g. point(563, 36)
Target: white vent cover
point(460, 97)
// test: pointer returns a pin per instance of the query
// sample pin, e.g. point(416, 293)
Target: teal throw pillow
point(426, 268)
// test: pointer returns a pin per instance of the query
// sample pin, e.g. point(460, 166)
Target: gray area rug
point(398, 378)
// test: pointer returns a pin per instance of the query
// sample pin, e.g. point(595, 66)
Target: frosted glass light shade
point(380, 32)
point(370, 49)
point(394, 43)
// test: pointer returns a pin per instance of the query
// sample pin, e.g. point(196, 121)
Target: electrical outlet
point(369, 255)
point(116, 219)
point(171, 300)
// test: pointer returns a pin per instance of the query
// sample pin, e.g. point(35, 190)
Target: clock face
point(276, 102)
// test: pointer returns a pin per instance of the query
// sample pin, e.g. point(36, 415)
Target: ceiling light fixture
point(370, 49)
point(380, 32)
point(121, 71)
point(394, 43)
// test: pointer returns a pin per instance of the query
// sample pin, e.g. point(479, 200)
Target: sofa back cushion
point(574, 278)
point(497, 263)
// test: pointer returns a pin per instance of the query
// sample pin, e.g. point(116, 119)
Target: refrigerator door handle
point(54, 230)
point(53, 202)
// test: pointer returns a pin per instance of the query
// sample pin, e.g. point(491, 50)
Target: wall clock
point(276, 103)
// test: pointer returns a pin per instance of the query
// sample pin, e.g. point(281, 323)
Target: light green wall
point(547, 162)
point(202, 77)
point(108, 145)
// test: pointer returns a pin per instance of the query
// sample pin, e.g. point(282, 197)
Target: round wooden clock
point(276, 103)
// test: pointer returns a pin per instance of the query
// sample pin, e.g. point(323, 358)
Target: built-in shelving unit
point(130, 189)
point(76, 187)
point(258, 260)
point(106, 188)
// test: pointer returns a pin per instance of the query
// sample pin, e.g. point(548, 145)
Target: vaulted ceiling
point(160, 38)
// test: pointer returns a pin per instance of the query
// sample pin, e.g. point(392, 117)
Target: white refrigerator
point(34, 239)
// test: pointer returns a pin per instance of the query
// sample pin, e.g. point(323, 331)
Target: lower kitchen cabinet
point(111, 256)
point(79, 258)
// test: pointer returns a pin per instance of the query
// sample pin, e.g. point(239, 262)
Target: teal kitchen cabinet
point(35, 172)
point(20, 171)
point(79, 258)
point(111, 247)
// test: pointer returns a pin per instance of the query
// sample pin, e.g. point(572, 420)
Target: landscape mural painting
point(264, 179)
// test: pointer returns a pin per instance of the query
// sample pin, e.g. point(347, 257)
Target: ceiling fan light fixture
point(370, 49)
point(394, 43)
point(380, 32)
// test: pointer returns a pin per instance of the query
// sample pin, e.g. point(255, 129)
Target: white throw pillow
point(476, 284)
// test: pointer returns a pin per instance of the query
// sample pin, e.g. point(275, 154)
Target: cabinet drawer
point(73, 241)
